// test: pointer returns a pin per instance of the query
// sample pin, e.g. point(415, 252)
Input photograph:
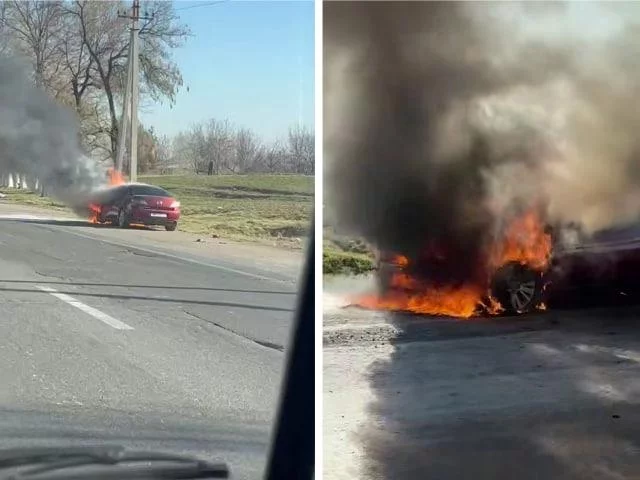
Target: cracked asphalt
point(107, 337)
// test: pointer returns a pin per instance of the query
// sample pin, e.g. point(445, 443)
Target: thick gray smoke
point(442, 117)
point(39, 139)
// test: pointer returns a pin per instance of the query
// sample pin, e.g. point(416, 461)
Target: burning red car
point(135, 203)
point(521, 280)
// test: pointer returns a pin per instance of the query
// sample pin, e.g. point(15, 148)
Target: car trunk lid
point(155, 202)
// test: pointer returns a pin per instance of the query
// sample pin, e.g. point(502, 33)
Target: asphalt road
point(553, 395)
point(104, 340)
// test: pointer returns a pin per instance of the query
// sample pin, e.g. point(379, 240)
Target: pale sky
point(251, 62)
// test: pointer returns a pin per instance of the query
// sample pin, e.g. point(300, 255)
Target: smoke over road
point(40, 140)
point(440, 117)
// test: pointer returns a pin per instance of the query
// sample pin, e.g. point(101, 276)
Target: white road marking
point(22, 216)
point(94, 312)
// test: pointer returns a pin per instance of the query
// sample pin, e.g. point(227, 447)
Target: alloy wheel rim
point(521, 294)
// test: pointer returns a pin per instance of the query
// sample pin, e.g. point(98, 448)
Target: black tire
point(123, 221)
point(170, 227)
point(518, 288)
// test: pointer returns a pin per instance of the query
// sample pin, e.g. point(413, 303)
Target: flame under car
point(608, 260)
point(135, 203)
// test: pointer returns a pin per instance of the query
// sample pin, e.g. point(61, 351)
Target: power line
point(203, 4)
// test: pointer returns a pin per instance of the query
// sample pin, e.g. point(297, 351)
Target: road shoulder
point(284, 261)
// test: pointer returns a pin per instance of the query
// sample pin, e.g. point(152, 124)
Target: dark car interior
point(293, 445)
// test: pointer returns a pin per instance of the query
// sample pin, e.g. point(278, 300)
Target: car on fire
point(136, 203)
point(605, 260)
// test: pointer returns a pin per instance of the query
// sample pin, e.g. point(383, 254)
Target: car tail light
point(175, 204)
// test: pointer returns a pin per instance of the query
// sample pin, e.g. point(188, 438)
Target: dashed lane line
point(94, 312)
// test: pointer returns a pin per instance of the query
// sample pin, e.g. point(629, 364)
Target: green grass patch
point(242, 207)
point(345, 255)
point(335, 262)
point(268, 184)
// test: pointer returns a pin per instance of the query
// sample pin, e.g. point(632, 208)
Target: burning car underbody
point(521, 271)
point(99, 197)
point(508, 275)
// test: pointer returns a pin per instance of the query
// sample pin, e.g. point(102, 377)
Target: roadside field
point(238, 207)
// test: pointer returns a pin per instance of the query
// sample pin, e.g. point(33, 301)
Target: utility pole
point(133, 176)
point(126, 111)
point(131, 95)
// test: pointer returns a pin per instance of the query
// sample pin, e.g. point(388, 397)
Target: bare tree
point(106, 38)
point(257, 165)
point(147, 149)
point(165, 160)
point(6, 37)
point(160, 34)
point(226, 149)
point(76, 61)
point(220, 145)
point(184, 153)
point(247, 149)
point(198, 149)
point(302, 150)
point(275, 158)
point(36, 29)
point(94, 127)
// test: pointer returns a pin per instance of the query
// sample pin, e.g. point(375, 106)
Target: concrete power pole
point(131, 95)
point(126, 111)
point(133, 175)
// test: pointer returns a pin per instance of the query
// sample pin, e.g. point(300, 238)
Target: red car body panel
point(147, 210)
point(608, 259)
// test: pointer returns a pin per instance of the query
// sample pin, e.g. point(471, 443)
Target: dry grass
point(25, 197)
point(243, 207)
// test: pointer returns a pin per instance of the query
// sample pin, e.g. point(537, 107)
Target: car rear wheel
point(123, 221)
point(170, 227)
point(518, 288)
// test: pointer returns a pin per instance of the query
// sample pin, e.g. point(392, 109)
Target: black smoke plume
point(39, 139)
point(443, 118)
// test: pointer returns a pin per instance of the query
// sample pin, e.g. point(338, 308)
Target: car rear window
point(152, 191)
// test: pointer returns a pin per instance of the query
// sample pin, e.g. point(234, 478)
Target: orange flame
point(400, 261)
point(524, 240)
point(95, 213)
point(451, 301)
point(115, 178)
